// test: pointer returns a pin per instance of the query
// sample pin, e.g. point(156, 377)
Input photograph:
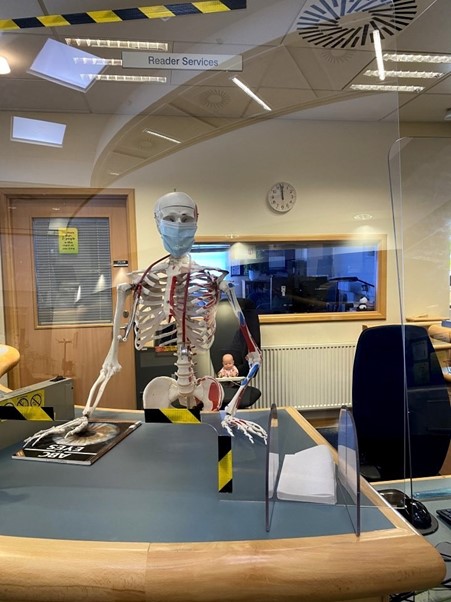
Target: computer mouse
point(413, 510)
point(417, 514)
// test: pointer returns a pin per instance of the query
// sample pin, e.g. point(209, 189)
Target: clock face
point(282, 197)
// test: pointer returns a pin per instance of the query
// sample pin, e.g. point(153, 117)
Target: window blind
point(72, 270)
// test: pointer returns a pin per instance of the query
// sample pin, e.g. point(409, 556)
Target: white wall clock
point(282, 197)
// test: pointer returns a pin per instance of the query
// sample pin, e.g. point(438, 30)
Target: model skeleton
point(174, 300)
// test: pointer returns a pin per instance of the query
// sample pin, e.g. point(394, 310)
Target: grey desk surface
point(160, 485)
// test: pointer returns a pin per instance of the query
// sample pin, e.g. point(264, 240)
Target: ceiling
point(300, 56)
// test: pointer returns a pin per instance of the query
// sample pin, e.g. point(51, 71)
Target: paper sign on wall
point(68, 240)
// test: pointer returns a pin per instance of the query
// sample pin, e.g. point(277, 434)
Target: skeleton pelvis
point(163, 390)
point(209, 392)
point(160, 392)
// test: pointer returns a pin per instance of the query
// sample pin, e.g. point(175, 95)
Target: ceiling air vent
point(349, 23)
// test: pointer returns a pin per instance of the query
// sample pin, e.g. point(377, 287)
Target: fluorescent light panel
point(124, 78)
point(406, 74)
point(36, 131)
point(158, 135)
point(385, 88)
point(94, 60)
point(130, 44)
point(378, 51)
point(249, 92)
point(393, 57)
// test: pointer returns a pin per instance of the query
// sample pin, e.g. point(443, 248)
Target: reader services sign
point(182, 61)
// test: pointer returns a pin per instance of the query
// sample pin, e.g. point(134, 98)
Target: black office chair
point(394, 364)
point(228, 339)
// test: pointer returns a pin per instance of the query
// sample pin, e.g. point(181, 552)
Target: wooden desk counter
point(312, 568)
point(441, 341)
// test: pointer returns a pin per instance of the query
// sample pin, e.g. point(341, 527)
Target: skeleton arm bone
point(109, 367)
point(111, 363)
point(254, 358)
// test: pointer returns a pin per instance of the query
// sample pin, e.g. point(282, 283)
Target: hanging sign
point(68, 241)
point(181, 61)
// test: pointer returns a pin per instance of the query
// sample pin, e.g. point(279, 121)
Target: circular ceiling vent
point(214, 99)
point(350, 23)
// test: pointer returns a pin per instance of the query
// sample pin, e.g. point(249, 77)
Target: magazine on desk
point(83, 449)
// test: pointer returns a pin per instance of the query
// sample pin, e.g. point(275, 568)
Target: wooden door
point(61, 333)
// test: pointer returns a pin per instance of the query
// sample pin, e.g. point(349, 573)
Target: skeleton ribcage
point(179, 309)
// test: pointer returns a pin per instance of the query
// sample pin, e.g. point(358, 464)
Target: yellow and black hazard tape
point(162, 11)
point(225, 464)
point(11, 412)
point(172, 415)
point(185, 416)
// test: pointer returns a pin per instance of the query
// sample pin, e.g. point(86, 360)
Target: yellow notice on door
point(68, 240)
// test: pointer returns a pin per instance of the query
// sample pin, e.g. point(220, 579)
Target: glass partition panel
point(143, 106)
point(421, 169)
point(348, 472)
point(272, 464)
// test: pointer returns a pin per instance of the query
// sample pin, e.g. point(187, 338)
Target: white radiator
point(306, 376)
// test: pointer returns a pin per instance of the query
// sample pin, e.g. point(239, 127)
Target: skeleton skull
point(176, 219)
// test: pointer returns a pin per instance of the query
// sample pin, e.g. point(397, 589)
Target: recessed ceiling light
point(406, 74)
point(4, 66)
point(385, 88)
point(363, 217)
point(249, 92)
point(447, 116)
point(158, 135)
point(124, 78)
point(130, 44)
point(417, 58)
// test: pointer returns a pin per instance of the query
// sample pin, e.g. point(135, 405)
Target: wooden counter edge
point(322, 568)
point(319, 569)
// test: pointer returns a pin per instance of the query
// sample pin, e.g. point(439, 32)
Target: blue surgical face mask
point(177, 237)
